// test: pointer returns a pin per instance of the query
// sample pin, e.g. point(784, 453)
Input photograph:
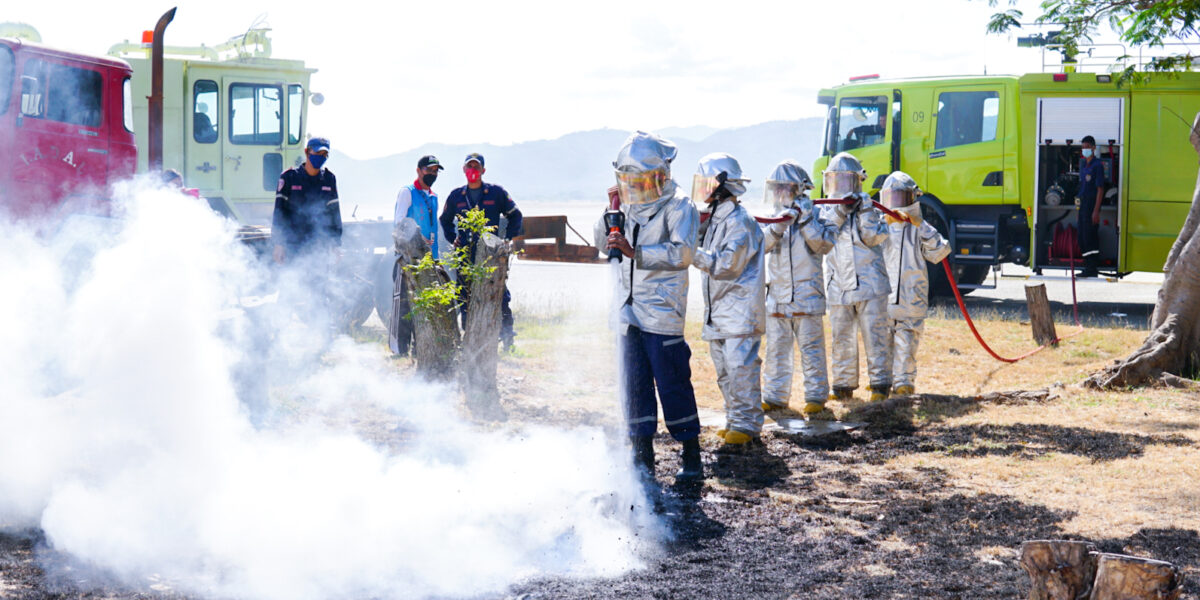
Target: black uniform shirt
point(307, 212)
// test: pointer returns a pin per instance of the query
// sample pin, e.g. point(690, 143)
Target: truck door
point(860, 126)
point(203, 160)
point(253, 152)
point(965, 165)
point(60, 139)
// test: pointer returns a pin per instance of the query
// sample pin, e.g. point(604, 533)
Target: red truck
point(66, 129)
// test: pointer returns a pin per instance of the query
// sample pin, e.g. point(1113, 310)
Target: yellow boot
point(815, 411)
point(768, 407)
point(904, 390)
point(841, 394)
point(879, 393)
point(737, 438)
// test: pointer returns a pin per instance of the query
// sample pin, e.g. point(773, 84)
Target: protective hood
point(710, 168)
point(643, 152)
point(786, 183)
point(899, 190)
point(844, 175)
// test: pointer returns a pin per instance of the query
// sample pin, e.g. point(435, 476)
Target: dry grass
point(569, 362)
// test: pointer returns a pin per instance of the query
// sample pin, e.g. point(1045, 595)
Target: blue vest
point(423, 210)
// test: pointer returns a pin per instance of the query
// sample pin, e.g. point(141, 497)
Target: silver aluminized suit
point(663, 235)
point(795, 305)
point(906, 251)
point(734, 281)
point(857, 289)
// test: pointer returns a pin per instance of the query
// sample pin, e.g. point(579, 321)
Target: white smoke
point(123, 438)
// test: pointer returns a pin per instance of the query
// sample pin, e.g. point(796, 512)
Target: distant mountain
point(576, 166)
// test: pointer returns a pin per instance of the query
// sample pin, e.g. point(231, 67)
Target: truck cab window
point(860, 122)
point(62, 93)
point(295, 110)
point(255, 114)
point(966, 118)
point(205, 101)
point(127, 103)
point(6, 77)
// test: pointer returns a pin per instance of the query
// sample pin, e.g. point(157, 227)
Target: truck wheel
point(963, 274)
point(382, 288)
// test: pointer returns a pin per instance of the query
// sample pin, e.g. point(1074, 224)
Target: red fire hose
point(953, 283)
point(958, 295)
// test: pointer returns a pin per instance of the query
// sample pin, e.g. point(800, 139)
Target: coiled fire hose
point(954, 284)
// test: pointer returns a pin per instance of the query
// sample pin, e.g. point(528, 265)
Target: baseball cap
point(474, 156)
point(429, 160)
point(318, 144)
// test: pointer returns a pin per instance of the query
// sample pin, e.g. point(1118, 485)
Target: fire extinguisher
point(614, 220)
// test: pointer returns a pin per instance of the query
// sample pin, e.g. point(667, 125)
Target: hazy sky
point(401, 74)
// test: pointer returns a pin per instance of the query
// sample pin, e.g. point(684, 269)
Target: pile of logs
point(1067, 570)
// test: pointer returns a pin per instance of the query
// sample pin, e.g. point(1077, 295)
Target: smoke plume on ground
point(129, 434)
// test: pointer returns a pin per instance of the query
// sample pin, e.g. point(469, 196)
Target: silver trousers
point(738, 369)
point(845, 322)
point(903, 349)
point(784, 334)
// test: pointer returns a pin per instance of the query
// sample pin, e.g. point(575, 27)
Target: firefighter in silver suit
point(731, 257)
point(857, 281)
point(795, 291)
point(909, 246)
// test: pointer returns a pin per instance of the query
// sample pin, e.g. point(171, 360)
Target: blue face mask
point(1087, 152)
point(317, 160)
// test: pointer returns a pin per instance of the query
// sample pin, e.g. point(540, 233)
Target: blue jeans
point(650, 361)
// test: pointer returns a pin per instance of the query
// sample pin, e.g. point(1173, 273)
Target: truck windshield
point(6, 77)
point(857, 123)
point(295, 109)
point(61, 93)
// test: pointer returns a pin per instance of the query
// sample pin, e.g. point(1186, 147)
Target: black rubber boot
point(1090, 267)
point(693, 466)
point(643, 456)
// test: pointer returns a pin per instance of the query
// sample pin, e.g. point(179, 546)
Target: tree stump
point(1039, 314)
point(1058, 569)
point(435, 332)
point(481, 332)
point(1121, 577)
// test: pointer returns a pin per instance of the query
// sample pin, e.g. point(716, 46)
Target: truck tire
point(963, 274)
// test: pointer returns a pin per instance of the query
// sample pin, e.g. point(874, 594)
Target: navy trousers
point(651, 361)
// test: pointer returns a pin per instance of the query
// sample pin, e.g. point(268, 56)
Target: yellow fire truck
point(998, 158)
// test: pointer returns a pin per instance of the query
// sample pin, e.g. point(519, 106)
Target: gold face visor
point(897, 198)
point(841, 183)
point(641, 188)
point(703, 186)
point(778, 195)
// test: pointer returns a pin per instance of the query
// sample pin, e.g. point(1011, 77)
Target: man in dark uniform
point(1091, 195)
point(307, 226)
point(495, 203)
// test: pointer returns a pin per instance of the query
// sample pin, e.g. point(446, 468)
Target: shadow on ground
point(1092, 314)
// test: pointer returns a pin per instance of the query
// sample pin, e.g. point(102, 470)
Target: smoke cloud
point(134, 436)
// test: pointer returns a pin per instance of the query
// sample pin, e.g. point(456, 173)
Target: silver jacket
point(795, 282)
point(734, 280)
point(907, 249)
point(656, 280)
point(854, 268)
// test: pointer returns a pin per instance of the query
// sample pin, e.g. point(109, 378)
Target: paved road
point(1125, 303)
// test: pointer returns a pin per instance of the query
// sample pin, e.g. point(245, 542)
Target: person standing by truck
point(418, 202)
point(1091, 196)
point(306, 229)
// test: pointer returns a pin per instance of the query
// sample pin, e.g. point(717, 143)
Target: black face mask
point(428, 179)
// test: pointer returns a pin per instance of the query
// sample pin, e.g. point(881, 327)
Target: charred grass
point(930, 500)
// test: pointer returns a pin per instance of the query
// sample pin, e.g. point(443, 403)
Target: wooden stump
point(1039, 314)
point(435, 333)
point(1121, 577)
point(481, 333)
point(1058, 569)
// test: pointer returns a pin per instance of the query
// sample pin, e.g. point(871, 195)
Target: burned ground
point(804, 518)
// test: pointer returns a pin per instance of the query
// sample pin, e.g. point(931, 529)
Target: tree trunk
point(1058, 569)
point(1172, 349)
point(481, 333)
point(435, 332)
point(1120, 577)
point(1040, 317)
